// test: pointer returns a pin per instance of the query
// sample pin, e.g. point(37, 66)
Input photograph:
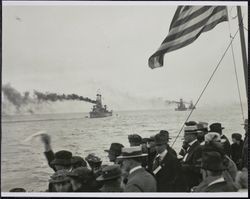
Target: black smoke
point(53, 97)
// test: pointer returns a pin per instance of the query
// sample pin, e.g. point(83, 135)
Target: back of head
point(134, 139)
point(237, 136)
point(17, 190)
point(82, 174)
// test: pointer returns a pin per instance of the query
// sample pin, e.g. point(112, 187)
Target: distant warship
point(182, 107)
point(98, 110)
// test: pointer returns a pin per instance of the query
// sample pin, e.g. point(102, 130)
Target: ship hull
point(99, 114)
point(180, 109)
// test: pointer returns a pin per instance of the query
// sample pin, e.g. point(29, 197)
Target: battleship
point(98, 110)
point(182, 107)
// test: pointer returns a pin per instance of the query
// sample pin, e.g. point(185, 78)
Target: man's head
point(236, 137)
point(114, 151)
point(131, 157)
point(62, 160)
point(134, 140)
point(212, 164)
point(61, 181)
point(190, 133)
point(160, 142)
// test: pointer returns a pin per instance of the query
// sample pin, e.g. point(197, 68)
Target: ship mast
point(243, 47)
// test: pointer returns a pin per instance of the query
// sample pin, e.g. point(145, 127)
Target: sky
point(84, 48)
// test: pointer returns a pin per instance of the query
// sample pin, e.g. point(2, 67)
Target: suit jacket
point(190, 166)
point(236, 152)
point(169, 178)
point(210, 185)
point(140, 181)
point(226, 145)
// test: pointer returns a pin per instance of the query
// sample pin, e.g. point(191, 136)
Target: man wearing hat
point(192, 157)
point(111, 178)
point(213, 180)
point(151, 152)
point(134, 140)
point(139, 180)
point(165, 134)
point(114, 151)
point(202, 130)
point(236, 149)
point(166, 167)
point(82, 179)
point(216, 127)
point(245, 146)
point(60, 181)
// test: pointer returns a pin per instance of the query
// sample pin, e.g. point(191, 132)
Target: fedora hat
point(115, 148)
point(203, 126)
point(165, 133)
point(161, 138)
point(212, 161)
point(77, 160)
point(59, 176)
point(237, 136)
point(216, 127)
point(62, 157)
point(131, 152)
point(110, 172)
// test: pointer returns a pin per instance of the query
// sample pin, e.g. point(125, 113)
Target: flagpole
point(243, 47)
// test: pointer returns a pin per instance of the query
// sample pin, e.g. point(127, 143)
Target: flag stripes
point(187, 25)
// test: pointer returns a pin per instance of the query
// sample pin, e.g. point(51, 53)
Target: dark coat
point(140, 181)
point(191, 166)
point(236, 153)
point(50, 156)
point(111, 187)
point(226, 145)
point(245, 153)
point(220, 186)
point(170, 178)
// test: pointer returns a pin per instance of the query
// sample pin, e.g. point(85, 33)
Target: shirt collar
point(163, 154)
point(134, 169)
point(191, 143)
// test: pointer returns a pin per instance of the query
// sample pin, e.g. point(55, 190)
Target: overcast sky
point(80, 49)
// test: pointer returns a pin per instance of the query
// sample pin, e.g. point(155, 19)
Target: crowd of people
point(207, 162)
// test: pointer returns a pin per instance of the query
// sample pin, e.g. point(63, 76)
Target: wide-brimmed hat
point(62, 157)
point(131, 152)
point(75, 160)
point(216, 127)
point(165, 133)
point(110, 172)
point(212, 137)
point(82, 173)
point(59, 176)
point(135, 138)
point(115, 148)
point(190, 129)
point(237, 136)
point(212, 161)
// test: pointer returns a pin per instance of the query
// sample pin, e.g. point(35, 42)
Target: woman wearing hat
point(111, 178)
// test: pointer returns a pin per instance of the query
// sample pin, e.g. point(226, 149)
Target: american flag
point(186, 26)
